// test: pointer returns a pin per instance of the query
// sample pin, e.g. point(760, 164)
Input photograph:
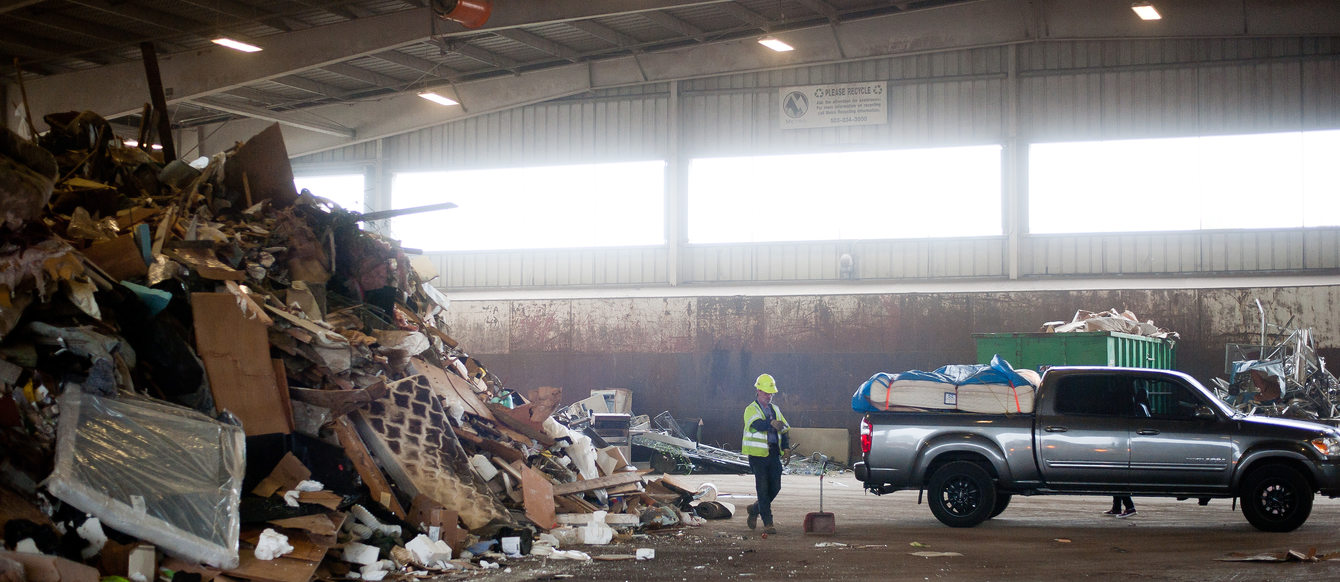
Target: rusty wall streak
point(537, 326)
point(820, 348)
point(486, 324)
point(657, 325)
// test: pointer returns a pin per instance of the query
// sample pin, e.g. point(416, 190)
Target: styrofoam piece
point(272, 545)
point(91, 532)
point(357, 553)
point(143, 562)
point(646, 553)
point(429, 553)
point(597, 533)
point(483, 467)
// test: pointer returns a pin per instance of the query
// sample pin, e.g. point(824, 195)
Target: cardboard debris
point(214, 286)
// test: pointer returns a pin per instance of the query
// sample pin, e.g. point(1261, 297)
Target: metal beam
point(311, 86)
point(370, 77)
point(12, 5)
point(412, 62)
point(116, 90)
point(675, 25)
point(822, 8)
point(745, 15)
point(323, 127)
point(603, 32)
point(541, 43)
point(487, 57)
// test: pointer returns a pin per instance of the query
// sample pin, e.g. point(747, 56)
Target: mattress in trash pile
point(994, 388)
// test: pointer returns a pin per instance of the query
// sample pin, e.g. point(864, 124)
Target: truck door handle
point(1055, 429)
point(1147, 431)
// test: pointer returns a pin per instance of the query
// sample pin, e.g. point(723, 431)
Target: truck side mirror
point(1205, 413)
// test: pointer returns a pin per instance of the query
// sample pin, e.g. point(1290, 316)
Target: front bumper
point(1328, 478)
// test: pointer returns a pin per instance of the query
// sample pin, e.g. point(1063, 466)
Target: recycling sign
point(834, 105)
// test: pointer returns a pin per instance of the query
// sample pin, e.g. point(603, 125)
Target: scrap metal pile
point(207, 371)
point(1287, 379)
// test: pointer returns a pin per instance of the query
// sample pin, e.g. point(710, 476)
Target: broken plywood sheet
point(261, 167)
point(409, 433)
point(367, 468)
point(538, 494)
point(236, 352)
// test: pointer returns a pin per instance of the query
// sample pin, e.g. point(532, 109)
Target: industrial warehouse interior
point(669, 290)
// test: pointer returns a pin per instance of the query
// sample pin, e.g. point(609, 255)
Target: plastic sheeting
point(164, 474)
point(995, 387)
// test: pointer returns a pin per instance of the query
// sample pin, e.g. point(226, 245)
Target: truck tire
point(1002, 501)
point(1276, 498)
point(962, 494)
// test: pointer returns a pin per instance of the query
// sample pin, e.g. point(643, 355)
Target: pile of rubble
point(1110, 320)
point(208, 372)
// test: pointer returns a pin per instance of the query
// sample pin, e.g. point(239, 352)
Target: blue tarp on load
point(998, 371)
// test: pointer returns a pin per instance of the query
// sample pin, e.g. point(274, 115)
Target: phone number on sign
point(855, 119)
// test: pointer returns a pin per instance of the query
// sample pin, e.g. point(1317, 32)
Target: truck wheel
point(1002, 501)
point(1276, 498)
point(962, 494)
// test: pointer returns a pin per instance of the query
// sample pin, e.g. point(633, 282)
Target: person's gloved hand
point(778, 425)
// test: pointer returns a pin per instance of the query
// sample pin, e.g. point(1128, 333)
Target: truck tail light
point(866, 431)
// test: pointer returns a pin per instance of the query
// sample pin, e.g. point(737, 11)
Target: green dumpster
point(1098, 348)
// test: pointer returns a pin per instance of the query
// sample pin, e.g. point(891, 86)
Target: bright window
point(943, 192)
point(345, 189)
point(1277, 180)
point(591, 205)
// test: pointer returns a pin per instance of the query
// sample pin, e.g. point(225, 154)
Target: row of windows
point(1282, 180)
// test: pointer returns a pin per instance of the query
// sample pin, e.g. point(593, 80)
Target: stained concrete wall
point(697, 357)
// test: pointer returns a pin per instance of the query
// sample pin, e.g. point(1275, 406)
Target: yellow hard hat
point(766, 384)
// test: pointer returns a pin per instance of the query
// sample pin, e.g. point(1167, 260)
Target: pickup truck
point(1090, 433)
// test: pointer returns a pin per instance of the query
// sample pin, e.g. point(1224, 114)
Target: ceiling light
point(156, 147)
point(773, 43)
point(438, 99)
point(1146, 11)
point(130, 143)
point(236, 45)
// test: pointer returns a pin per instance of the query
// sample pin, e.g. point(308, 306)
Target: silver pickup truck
point(1104, 431)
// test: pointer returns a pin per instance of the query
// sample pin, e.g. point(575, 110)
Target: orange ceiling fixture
point(470, 13)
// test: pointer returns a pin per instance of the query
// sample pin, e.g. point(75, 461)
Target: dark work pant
point(767, 483)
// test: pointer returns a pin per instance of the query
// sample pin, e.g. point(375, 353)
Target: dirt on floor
point(1036, 538)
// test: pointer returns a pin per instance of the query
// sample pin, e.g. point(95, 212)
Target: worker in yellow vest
point(765, 441)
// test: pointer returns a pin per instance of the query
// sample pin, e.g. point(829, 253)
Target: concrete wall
point(698, 356)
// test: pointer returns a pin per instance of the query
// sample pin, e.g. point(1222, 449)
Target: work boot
point(770, 530)
point(753, 516)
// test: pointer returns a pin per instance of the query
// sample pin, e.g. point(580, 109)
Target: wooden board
point(593, 484)
point(367, 468)
point(537, 492)
point(236, 352)
point(119, 257)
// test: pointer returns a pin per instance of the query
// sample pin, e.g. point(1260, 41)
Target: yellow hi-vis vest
point(755, 444)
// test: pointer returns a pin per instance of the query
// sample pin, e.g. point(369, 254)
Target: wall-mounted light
point(130, 143)
point(1146, 11)
point(438, 99)
point(236, 45)
point(776, 44)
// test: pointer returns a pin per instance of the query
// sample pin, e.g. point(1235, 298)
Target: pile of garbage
point(1286, 379)
point(207, 373)
point(1111, 320)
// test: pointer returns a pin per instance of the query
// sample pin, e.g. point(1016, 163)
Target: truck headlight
point(1328, 445)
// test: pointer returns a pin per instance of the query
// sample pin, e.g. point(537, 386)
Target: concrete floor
point(1037, 538)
